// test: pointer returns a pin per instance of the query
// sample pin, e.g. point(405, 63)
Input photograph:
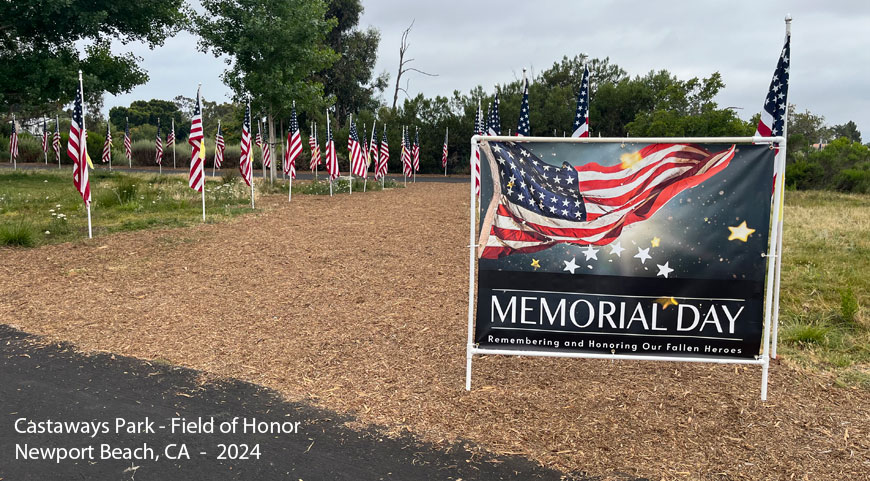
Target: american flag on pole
point(77, 148)
point(245, 160)
point(267, 155)
point(356, 155)
point(775, 105)
point(55, 142)
point(196, 178)
point(219, 147)
point(158, 144)
point(581, 117)
point(444, 152)
point(475, 169)
point(294, 146)
point(331, 155)
point(13, 141)
point(258, 140)
point(384, 157)
point(107, 146)
point(415, 150)
point(407, 166)
point(523, 126)
point(493, 123)
point(373, 149)
point(315, 148)
point(538, 205)
point(45, 136)
point(170, 137)
point(128, 142)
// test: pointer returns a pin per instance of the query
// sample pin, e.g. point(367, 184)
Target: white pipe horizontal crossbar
point(625, 357)
point(632, 140)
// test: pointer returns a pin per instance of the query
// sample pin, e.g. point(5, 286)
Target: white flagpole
point(14, 130)
point(45, 134)
point(174, 166)
point(57, 128)
point(83, 141)
point(327, 145)
point(384, 175)
point(781, 180)
point(403, 155)
point(201, 148)
point(350, 162)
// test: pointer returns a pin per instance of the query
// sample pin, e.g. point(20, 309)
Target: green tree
point(142, 112)
point(275, 46)
point(39, 61)
point(848, 130)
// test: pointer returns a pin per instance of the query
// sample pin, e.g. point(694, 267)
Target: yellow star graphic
point(655, 242)
point(740, 232)
point(510, 185)
point(667, 301)
point(536, 264)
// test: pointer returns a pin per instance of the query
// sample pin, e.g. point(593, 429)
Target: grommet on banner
point(770, 146)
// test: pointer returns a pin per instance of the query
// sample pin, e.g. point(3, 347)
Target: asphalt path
point(54, 382)
point(300, 175)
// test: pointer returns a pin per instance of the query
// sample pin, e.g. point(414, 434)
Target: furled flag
point(384, 156)
point(128, 143)
point(245, 154)
point(581, 117)
point(45, 137)
point(55, 142)
point(294, 146)
point(373, 149)
point(540, 205)
point(170, 137)
point(107, 146)
point(219, 147)
point(158, 144)
point(77, 149)
point(196, 178)
point(444, 152)
point(407, 165)
point(415, 150)
point(315, 148)
point(258, 140)
point(331, 155)
point(478, 130)
point(355, 152)
point(523, 126)
point(494, 121)
point(13, 142)
point(267, 150)
point(773, 113)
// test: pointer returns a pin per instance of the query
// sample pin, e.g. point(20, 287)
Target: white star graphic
point(571, 266)
point(590, 253)
point(616, 249)
point(664, 270)
point(643, 255)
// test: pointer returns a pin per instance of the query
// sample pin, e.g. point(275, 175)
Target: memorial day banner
point(646, 249)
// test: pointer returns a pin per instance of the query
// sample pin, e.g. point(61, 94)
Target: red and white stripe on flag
point(77, 150)
point(196, 178)
point(245, 161)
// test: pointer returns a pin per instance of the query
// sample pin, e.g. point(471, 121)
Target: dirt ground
point(358, 304)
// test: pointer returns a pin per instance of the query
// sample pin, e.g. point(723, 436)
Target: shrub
point(20, 233)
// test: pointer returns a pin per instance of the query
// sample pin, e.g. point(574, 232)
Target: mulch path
point(358, 304)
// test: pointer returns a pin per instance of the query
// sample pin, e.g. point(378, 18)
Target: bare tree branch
point(403, 48)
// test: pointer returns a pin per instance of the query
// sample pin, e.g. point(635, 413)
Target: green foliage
point(848, 305)
point(18, 233)
point(842, 165)
point(39, 60)
point(143, 112)
point(805, 334)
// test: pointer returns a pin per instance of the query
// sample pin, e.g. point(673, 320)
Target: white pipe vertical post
point(83, 143)
point(201, 148)
point(471, 248)
point(781, 180)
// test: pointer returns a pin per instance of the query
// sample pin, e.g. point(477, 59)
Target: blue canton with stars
point(493, 123)
point(523, 127)
point(776, 101)
point(582, 101)
point(537, 186)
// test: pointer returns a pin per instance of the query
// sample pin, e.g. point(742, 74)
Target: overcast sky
point(488, 42)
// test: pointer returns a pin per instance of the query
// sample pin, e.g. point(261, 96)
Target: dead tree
point(403, 65)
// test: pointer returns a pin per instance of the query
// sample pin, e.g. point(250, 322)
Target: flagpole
point(45, 134)
point(366, 177)
point(350, 163)
point(201, 147)
point(403, 156)
point(781, 181)
point(446, 133)
point(327, 146)
point(414, 167)
point(215, 150)
point(14, 131)
point(83, 141)
point(57, 129)
point(314, 133)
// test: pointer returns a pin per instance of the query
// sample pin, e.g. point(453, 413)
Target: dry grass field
point(358, 304)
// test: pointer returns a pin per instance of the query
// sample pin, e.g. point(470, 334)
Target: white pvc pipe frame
point(772, 255)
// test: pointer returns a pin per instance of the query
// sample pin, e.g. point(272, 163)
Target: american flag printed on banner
point(415, 150)
point(581, 117)
point(384, 156)
point(523, 125)
point(219, 147)
point(13, 142)
point(55, 142)
point(541, 205)
point(158, 144)
point(107, 146)
point(245, 160)
point(128, 142)
point(775, 105)
point(355, 152)
point(196, 177)
point(294, 146)
point(315, 148)
point(331, 155)
point(77, 149)
point(44, 136)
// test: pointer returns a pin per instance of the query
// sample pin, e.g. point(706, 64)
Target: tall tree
point(275, 46)
point(848, 130)
point(39, 61)
point(403, 65)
